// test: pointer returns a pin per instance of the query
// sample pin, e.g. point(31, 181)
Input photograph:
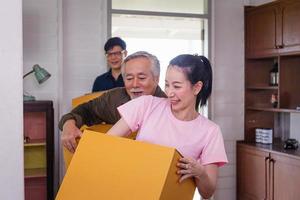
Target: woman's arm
point(121, 129)
point(207, 183)
point(204, 176)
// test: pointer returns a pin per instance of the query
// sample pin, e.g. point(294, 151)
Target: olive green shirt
point(102, 109)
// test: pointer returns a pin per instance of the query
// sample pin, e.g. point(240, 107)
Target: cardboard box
point(85, 98)
point(101, 128)
point(113, 168)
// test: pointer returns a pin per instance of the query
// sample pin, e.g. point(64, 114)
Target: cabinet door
point(261, 31)
point(286, 177)
point(252, 173)
point(290, 26)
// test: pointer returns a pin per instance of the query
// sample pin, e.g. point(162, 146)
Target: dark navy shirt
point(106, 81)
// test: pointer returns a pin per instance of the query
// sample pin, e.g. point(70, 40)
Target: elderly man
point(141, 76)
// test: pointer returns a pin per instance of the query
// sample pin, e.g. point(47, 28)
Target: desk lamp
point(41, 76)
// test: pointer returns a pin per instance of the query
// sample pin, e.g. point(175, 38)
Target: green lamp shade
point(41, 74)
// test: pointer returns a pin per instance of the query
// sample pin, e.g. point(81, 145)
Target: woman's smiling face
point(180, 91)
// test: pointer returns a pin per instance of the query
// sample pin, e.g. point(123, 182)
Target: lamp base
point(28, 98)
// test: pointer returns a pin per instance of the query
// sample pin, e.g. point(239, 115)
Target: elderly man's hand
point(69, 135)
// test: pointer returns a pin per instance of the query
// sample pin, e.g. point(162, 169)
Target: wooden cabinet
point(272, 38)
point(289, 28)
point(38, 150)
point(253, 177)
point(267, 174)
point(285, 177)
point(273, 29)
point(261, 31)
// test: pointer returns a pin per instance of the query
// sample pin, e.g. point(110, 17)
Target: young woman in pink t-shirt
point(175, 121)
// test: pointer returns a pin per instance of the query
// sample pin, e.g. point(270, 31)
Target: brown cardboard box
point(113, 168)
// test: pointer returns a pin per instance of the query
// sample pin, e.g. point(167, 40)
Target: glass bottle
point(274, 78)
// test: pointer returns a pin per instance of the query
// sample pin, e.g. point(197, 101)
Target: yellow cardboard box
point(113, 168)
point(85, 98)
point(101, 128)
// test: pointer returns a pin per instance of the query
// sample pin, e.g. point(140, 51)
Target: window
point(163, 28)
point(167, 6)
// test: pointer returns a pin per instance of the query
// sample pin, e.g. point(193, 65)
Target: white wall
point(66, 37)
point(295, 126)
point(84, 35)
point(40, 34)
point(41, 46)
point(228, 90)
point(11, 107)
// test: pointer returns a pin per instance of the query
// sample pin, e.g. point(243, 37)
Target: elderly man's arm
point(89, 113)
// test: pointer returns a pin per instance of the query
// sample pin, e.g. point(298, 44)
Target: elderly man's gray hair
point(155, 65)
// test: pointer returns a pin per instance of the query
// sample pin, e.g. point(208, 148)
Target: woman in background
point(175, 121)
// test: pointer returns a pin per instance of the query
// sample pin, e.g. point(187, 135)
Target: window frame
point(207, 16)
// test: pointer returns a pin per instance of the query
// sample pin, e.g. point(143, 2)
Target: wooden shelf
point(274, 109)
point(32, 143)
point(36, 172)
point(262, 87)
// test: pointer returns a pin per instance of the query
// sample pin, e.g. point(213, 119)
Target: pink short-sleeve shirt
point(200, 138)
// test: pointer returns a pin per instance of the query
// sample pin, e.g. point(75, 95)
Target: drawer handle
point(280, 46)
point(267, 158)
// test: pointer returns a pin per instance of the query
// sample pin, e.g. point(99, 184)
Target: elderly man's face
point(138, 78)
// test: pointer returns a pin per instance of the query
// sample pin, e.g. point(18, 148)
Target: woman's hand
point(189, 167)
point(205, 175)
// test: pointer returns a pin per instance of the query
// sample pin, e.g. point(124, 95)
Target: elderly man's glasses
point(117, 53)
